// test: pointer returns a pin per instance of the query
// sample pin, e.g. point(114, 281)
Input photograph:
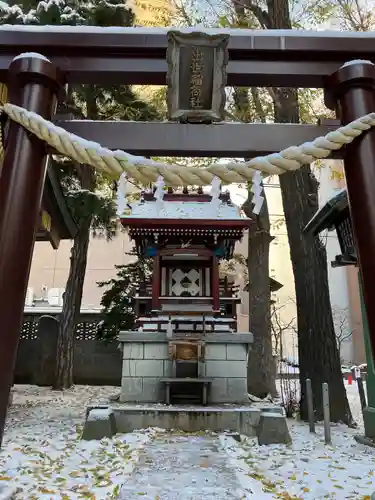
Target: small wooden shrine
point(186, 234)
point(187, 304)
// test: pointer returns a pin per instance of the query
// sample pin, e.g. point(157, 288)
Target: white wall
point(337, 277)
point(280, 265)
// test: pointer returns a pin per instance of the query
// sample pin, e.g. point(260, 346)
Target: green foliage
point(102, 209)
point(118, 298)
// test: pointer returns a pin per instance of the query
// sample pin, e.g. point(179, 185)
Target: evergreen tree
point(118, 298)
point(84, 186)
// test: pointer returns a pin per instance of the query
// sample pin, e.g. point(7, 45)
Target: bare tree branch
point(278, 327)
point(342, 326)
point(261, 15)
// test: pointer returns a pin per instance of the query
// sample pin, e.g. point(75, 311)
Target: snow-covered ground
point(308, 469)
point(43, 458)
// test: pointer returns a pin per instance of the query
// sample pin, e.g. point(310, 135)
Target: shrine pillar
point(33, 83)
point(351, 92)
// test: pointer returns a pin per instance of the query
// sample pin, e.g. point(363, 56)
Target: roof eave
point(155, 223)
point(326, 216)
point(67, 226)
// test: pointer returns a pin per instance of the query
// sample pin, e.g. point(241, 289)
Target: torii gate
point(137, 56)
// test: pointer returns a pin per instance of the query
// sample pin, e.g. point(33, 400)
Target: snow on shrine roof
point(184, 210)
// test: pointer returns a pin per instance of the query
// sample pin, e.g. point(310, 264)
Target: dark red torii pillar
point(33, 83)
point(351, 92)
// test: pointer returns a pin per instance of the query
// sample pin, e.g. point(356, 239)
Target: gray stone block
point(373, 496)
point(133, 351)
point(95, 407)
point(131, 389)
point(226, 369)
point(156, 351)
point(244, 421)
point(153, 391)
point(100, 423)
point(273, 429)
point(147, 337)
point(272, 409)
point(237, 390)
point(235, 436)
point(143, 368)
point(217, 351)
point(218, 391)
point(128, 369)
point(236, 352)
point(168, 365)
point(229, 338)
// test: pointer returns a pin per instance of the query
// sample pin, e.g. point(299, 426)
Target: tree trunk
point(73, 292)
point(78, 262)
point(261, 367)
point(261, 373)
point(71, 307)
point(319, 359)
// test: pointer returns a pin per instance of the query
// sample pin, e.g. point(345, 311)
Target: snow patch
point(185, 210)
point(235, 32)
point(34, 55)
point(7, 493)
point(99, 414)
point(357, 61)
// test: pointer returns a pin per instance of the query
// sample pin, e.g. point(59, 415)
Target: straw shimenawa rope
point(147, 171)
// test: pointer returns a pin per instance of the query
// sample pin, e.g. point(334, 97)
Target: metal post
point(361, 392)
point(351, 93)
point(33, 84)
point(310, 405)
point(326, 414)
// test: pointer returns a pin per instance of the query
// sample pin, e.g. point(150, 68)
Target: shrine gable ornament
point(196, 76)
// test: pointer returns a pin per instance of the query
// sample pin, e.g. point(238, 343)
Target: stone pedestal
point(226, 363)
point(146, 361)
